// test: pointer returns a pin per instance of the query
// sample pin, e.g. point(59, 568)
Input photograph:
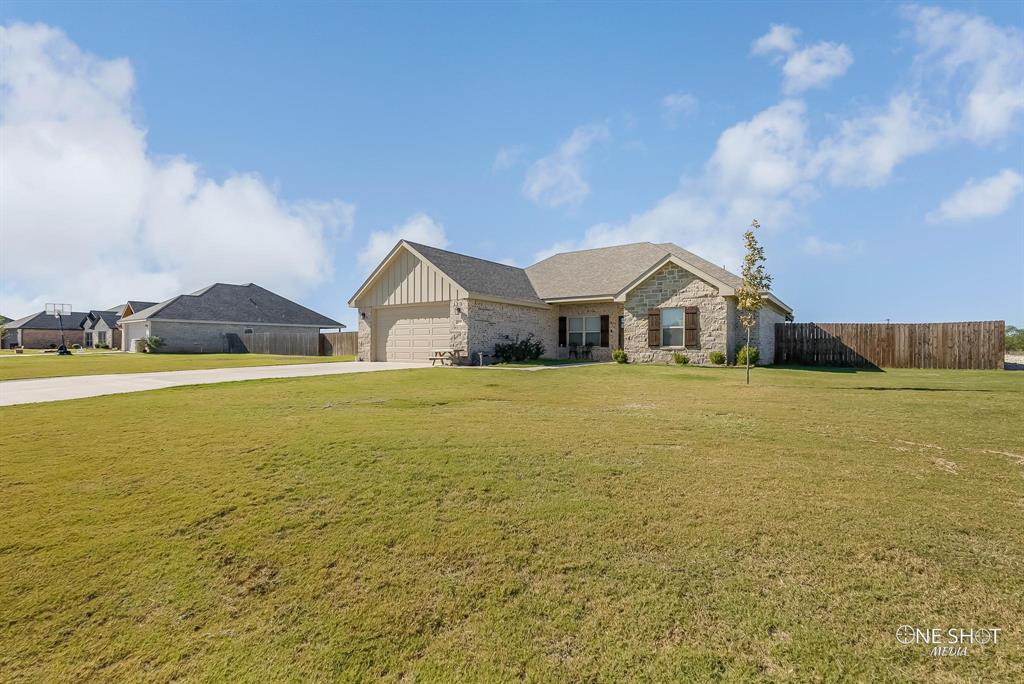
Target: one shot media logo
point(955, 641)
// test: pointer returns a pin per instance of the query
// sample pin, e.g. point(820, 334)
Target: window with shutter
point(604, 331)
point(692, 320)
point(654, 327)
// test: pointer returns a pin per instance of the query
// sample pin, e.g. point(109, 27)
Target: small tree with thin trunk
point(756, 282)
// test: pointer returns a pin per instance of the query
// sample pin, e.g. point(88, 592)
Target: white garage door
point(409, 333)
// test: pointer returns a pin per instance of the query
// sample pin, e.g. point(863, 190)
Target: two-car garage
point(409, 333)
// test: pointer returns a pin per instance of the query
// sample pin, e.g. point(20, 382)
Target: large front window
point(584, 330)
point(672, 331)
point(101, 337)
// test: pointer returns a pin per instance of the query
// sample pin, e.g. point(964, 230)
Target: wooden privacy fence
point(339, 344)
point(286, 343)
point(973, 344)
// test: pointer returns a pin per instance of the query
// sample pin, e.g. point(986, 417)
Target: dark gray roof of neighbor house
point(480, 276)
point(108, 317)
point(139, 306)
point(44, 321)
point(235, 304)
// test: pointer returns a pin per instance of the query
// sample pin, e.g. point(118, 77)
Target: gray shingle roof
point(108, 317)
point(44, 321)
point(234, 303)
point(597, 272)
point(480, 276)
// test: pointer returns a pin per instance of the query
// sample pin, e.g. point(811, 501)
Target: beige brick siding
point(487, 323)
point(673, 287)
point(762, 335)
point(611, 309)
point(365, 347)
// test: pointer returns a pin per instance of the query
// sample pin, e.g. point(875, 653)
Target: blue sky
point(153, 148)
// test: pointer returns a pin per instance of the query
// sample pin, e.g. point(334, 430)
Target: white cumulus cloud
point(780, 38)
point(980, 199)
point(557, 179)
point(757, 170)
point(417, 228)
point(815, 246)
point(988, 58)
point(90, 216)
point(815, 66)
point(810, 67)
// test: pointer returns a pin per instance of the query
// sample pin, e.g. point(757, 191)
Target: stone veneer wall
point(611, 309)
point(673, 287)
point(364, 349)
point(482, 324)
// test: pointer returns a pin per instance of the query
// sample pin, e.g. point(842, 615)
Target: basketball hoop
point(58, 311)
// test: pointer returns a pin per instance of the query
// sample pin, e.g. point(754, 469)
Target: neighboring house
point(225, 318)
point(101, 329)
point(130, 307)
point(42, 330)
point(649, 299)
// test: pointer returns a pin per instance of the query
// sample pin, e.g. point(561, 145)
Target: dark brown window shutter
point(604, 331)
point(562, 331)
point(691, 319)
point(654, 327)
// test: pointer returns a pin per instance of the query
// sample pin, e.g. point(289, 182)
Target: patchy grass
point(97, 363)
point(602, 523)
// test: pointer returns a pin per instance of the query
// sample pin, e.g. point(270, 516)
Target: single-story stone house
point(650, 300)
point(224, 318)
point(101, 329)
point(43, 331)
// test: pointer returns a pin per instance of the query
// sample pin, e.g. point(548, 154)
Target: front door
point(622, 335)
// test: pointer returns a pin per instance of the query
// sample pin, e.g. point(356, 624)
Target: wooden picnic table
point(445, 356)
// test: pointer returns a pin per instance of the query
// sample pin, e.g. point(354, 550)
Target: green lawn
point(92, 363)
point(606, 523)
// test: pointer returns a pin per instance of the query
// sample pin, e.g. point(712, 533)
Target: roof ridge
point(595, 249)
point(467, 256)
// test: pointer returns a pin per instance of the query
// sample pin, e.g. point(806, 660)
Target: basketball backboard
point(58, 309)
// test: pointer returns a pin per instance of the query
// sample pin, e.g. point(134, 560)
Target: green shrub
point(529, 349)
point(152, 343)
point(717, 358)
point(681, 359)
point(619, 356)
point(741, 356)
point(1014, 338)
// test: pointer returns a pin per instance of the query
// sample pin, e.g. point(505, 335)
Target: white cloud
point(979, 199)
point(780, 38)
point(810, 67)
point(91, 217)
point(506, 158)
point(815, 246)
point(758, 169)
point(867, 148)
point(815, 66)
point(675, 105)
point(417, 228)
point(557, 179)
point(991, 57)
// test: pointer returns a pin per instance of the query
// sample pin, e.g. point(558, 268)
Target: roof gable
point(45, 321)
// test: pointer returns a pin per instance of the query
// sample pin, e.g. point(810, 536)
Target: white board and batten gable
point(405, 277)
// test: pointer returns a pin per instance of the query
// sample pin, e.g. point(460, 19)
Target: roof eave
point(536, 304)
point(372, 278)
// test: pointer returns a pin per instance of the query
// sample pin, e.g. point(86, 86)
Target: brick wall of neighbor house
point(674, 287)
point(482, 324)
point(42, 339)
point(210, 338)
point(762, 335)
point(611, 309)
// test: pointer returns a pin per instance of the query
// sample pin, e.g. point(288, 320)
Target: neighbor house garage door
point(409, 333)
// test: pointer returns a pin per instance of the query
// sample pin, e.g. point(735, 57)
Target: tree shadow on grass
point(831, 369)
point(915, 389)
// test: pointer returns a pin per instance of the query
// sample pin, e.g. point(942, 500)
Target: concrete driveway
point(14, 392)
